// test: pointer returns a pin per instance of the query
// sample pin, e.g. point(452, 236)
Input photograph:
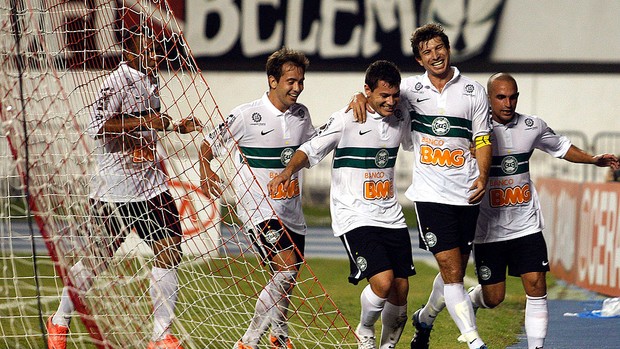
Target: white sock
point(536, 320)
point(393, 320)
point(267, 299)
point(462, 312)
point(372, 305)
point(285, 280)
point(436, 302)
point(164, 289)
point(477, 297)
point(82, 280)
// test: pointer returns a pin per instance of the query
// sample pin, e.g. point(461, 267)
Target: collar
point(427, 81)
point(272, 108)
point(512, 123)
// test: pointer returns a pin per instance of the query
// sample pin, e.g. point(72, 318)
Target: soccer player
point(129, 188)
point(448, 112)
point(364, 208)
point(265, 134)
point(509, 232)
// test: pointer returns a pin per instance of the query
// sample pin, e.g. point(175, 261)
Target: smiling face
point(384, 98)
point(284, 92)
point(503, 97)
point(434, 57)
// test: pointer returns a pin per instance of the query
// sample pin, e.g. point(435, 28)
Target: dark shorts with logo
point(372, 250)
point(526, 254)
point(273, 239)
point(443, 227)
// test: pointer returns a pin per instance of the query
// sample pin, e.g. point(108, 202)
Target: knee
point(493, 300)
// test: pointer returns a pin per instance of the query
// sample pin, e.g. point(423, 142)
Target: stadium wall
point(582, 231)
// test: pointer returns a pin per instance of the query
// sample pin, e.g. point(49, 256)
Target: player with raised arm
point(364, 208)
point(509, 231)
point(265, 133)
point(129, 189)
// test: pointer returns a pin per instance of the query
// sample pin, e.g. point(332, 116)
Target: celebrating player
point(129, 189)
point(448, 112)
point(365, 212)
point(509, 232)
point(267, 132)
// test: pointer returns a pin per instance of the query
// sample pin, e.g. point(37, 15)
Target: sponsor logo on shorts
point(484, 272)
point(272, 236)
point(361, 262)
point(431, 239)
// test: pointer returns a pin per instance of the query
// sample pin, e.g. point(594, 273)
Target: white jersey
point(362, 185)
point(266, 139)
point(128, 165)
point(510, 208)
point(444, 125)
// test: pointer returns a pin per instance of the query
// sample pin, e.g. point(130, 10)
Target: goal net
point(54, 56)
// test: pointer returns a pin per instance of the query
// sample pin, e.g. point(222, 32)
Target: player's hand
point(211, 185)
point(607, 160)
point(478, 189)
point(359, 106)
point(279, 183)
point(188, 125)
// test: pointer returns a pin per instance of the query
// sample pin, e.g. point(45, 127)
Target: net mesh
point(55, 56)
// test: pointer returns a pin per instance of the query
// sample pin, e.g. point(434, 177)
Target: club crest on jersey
point(361, 263)
point(529, 122)
point(398, 114)
point(302, 113)
point(272, 236)
point(286, 155)
point(431, 239)
point(418, 86)
point(510, 165)
point(382, 158)
point(484, 272)
point(469, 88)
point(441, 126)
point(256, 117)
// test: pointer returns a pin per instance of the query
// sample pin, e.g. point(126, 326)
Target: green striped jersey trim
point(266, 157)
point(522, 159)
point(364, 158)
point(459, 128)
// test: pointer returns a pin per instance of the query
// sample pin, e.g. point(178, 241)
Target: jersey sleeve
point(224, 135)
point(107, 105)
point(481, 120)
point(325, 141)
point(406, 141)
point(310, 131)
point(550, 142)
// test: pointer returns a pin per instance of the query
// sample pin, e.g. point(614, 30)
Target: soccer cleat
point(366, 342)
point(168, 342)
point(422, 336)
point(484, 347)
point(56, 335)
point(280, 342)
point(241, 345)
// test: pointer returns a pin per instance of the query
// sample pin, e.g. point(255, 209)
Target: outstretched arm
point(577, 155)
point(283, 180)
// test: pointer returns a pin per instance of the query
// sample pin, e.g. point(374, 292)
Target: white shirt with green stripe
point(266, 139)
point(362, 184)
point(444, 124)
point(510, 208)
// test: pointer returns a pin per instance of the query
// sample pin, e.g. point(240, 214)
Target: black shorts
point(443, 227)
point(153, 219)
point(273, 238)
point(522, 255)
point(372, 250)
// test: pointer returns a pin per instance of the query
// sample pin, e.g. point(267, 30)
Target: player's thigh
point(528, 254)
point(491, 261)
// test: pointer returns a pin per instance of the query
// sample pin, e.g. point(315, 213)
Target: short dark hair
point(382, 71)
point(133, 32)
point(282, 56)
point(426, 33)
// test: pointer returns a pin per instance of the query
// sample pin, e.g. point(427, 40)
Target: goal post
point(54, 56)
